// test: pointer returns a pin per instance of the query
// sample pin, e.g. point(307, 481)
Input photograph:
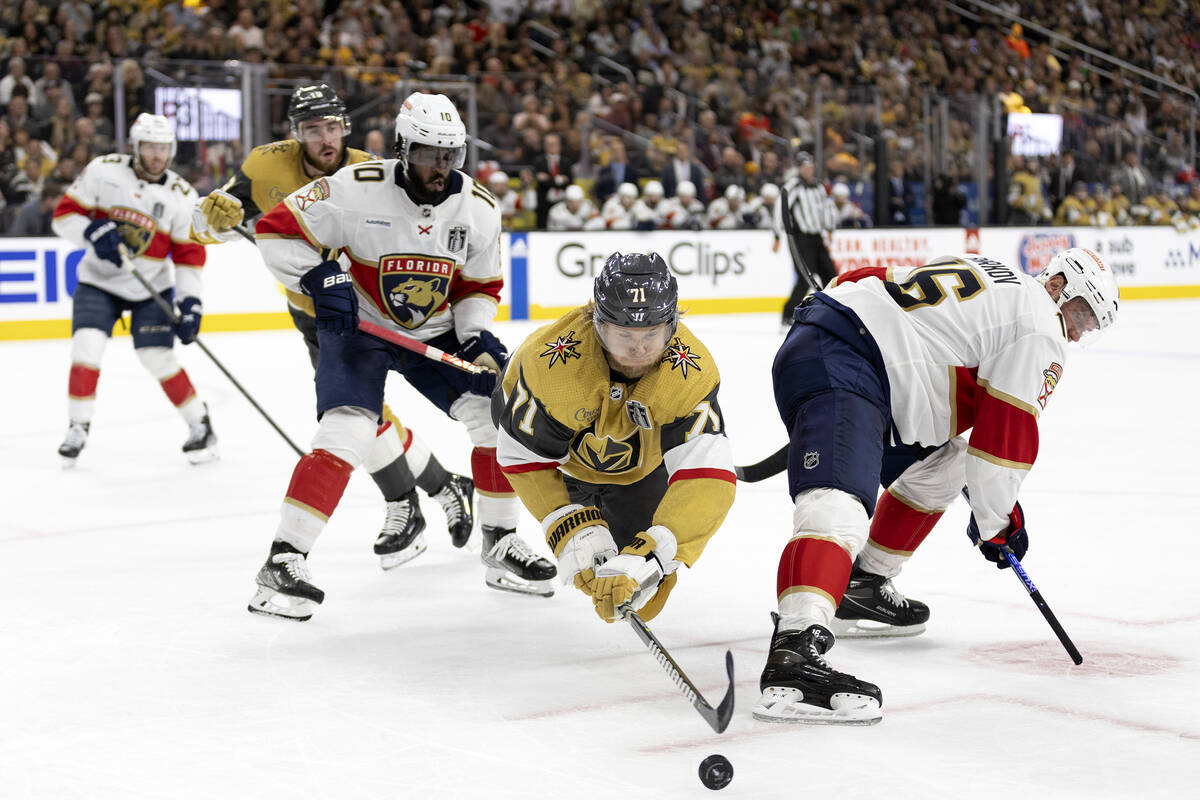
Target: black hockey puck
point(716, 772)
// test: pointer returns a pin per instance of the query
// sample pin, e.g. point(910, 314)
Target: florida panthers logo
point(136, 229)
point(605, 454)
point(413, 287)
point(1050, 378)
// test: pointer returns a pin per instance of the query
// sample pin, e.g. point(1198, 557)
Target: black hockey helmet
point(316, 101)
point(636, 290)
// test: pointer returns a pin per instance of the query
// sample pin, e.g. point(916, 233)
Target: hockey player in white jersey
point(617, 212)
point(135, 202)
point(422, 241)
point(684, 211)
point(573, 212)
point(650, 211)
point(913, 356)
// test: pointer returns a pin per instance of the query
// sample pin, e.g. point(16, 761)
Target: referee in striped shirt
point(815, 216)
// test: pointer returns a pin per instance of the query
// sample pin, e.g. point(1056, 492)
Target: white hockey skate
point(73, 443)
point(401, 539)
point(201, 444)
point(284, 586)
point(799, 686)
point(512, 566)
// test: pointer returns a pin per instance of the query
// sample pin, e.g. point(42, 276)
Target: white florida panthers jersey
point(153, 218)
point(419, 269)
point(968, 343)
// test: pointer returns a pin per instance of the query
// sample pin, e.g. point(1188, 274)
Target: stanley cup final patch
point(457, 239)
point(638, 414)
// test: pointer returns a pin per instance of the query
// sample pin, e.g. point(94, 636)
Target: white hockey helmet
point(152, 128)
point(769, 191)
point(686, 189)
point(498, 177)
point(627, 190)
point(653, 189)
point(734, 192)
point(430, 124)
point(575, 192)
point(1089, 278)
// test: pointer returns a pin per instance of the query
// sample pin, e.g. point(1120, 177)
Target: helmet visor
point(423, 155)
point(316, 129)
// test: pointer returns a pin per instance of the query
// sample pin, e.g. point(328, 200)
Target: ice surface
point(129, 667)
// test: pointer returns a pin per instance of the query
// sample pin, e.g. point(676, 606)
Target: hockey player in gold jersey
point(400, 460)
point(611, 434)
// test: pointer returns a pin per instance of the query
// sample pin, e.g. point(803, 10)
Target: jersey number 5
point(924, 287)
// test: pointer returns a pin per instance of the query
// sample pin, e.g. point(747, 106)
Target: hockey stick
point(717, 718)
point(1037, 598)
point(761, 470)
point(247, 235)
point(418, 347)
point(1040, 602)
point(793, 236)
point(170, 312)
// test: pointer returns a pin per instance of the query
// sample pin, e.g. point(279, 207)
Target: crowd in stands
point(604, 98)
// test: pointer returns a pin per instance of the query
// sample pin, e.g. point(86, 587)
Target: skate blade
point(203, 456)
point(786, 705)
point(68, 463)
point(505, 581)
point(869, 629)
point(296, 608)
point(415, 548)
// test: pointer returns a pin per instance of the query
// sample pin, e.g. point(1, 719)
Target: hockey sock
point(387, 465)
point(81, 392)
point(498, 506)
point(317, 485)
point(810, 570)
point(897, 529)
point(431, 475)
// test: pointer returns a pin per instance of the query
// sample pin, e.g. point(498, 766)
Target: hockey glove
point(489, 352)
point(1014, 536)
point(105, 240)
point(188, 327)
point(333, 297)
point(214, 218)
point(579, 538)
point(633, 577)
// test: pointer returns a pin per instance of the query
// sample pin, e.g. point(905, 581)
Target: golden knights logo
point(136, 229)
point(1050, 378)
point(681, 357)
point(561, 349)
point(413, 286)
point(605, 454)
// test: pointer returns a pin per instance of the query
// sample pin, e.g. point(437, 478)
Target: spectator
point(617, 171)
point(849, 214)
point(731, 172)
point(1077, 208)
point(948, 201)
point(900, 196)
point(244, 34)
point(18, 116)
point(374, 144)
point(552, 173)
point(102, 124)
point(34, 216)
point(682, 167)
point(15, 77)
point(1135, 181)
point(1026, 198)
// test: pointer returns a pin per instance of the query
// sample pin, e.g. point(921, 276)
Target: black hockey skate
point(401, 539)
point(457, 498)
point(872, 607)
point(284, 585)
point(201, 444)
point(512, 566)
point(798, 685)
point(73, 442)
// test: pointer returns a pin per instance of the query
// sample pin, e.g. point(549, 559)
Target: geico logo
point(39, 274)
point(686, 258)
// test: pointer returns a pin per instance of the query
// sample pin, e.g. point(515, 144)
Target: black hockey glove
point(333, 296)
point(190, 312)
point(105, 240)
point(489, 352)
point(1014, 536)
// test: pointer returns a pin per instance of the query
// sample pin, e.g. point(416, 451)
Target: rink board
point(547, 273)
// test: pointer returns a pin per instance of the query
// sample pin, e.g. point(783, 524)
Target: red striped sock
point(898, 527)
point(811, 563)
point(318, 482)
